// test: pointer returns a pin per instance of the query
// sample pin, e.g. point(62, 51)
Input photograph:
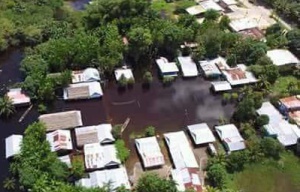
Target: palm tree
point(6, 107)
point(9, 183)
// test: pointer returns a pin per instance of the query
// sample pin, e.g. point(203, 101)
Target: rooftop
point(253, 32)
point(149, 151)
point(295, 115)
point(89, 74)
point(242, 24)
point(180, 150)
point(188, 66)
point(60, 140)
point(17, 97)
point(61, 120)
point(166, 67)
point(83, 91)
point(292, 102)
point(282, 57)
point(187, 178)
point(221, 86)
point(201, 133)
point(209, 66)
point(195, 10)
point(210, 4)
point(123, 71)
point(13, 145)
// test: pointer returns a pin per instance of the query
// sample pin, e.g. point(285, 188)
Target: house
point(180, 150)
point(210, 4)
point(210, 68)
point(126, 72)
point(13, 145)
point(242, 24)
point(278, 126)
point(295, 116)
point(237, 75)
point(255, 33)
point(187, 178)
point(282, 57)
point(66, 159)
point(60, 140)
point(87, 75)
point(188, 66)
point(61, 120)
point(289, 104)
point(97, 156)
point(230, 137)
point(195, 10)
point(94, 134)
point(116, 177)
point(88, 90)
point(201, 133)
point(149, 151)
point(229, 2)
point(17, 97)
point(219, 86)
point(167, 68)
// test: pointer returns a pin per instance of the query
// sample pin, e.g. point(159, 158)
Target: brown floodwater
point(169, 108)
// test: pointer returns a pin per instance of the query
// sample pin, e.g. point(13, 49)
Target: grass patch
point(282, 83)
point(269, 176)
point(171, 8)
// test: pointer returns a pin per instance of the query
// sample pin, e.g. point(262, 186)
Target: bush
point(122, 81)
point(217, 175)
point(234, 96)
point(77, 167)
point(116, 131)
point(226, 97)
point(42, 108)
point(130, 81)
point(150, 131)
point(262, 120)
point(167, 80)
point(147, 77)
point(122, 151)
point(237, 160)
point(271, 147)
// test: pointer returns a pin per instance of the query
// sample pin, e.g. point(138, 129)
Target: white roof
point(282, 57)
point(13, 145)
point(188, 67)
point(286, 133)
point(243, 24)
point(201, 133)
point(184, 177)
point(230, 135)
point(60, 140)
point(209, 4)
point(98, 156)
point(149, 151)
point(66, 159)
point(17, 97)
point(230, 2)
point(195, 10)
point(209, 66)
point(126, 72)
point(89, 74)
point(180, 150)
point(94, 91)
point(165, 66)
point(116, 177)
point(94, 134)
point(221, 86)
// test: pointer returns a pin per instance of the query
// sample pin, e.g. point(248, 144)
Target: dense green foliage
point(6, 107)
point(153, 183)
point(122, 151)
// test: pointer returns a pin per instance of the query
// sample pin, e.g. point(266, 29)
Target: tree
point(245, 110)
point(217, 175)
point(211, 15)
point(237, 160)
point(6, 107)
point(77, 169)
point(122, 151)
point(153, 183)
point(150, 131)
point(271, 147)
point(272, 73)
point(293, 37)
point(147, 77)
point(224, 22)
point(9, 183)
point(264, 61)
point(262, 120)
point(116, 131)
point(232, 60)
point(122, 81)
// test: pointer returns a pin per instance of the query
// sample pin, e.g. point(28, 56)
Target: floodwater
point(79, 4)
point(169, 108)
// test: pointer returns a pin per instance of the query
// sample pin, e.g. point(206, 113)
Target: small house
point(219, 86)
point(210, 69)
point(60, 140)
point(231, 138)
point(149, 151)
point(87, 75)
point(282, 57)
point(291, 103)
point(18, 98)
point(188, 66)
point(201, 133)
point(187, 178)
point(125, 72)
point(167, 68)
point(88, 90)
point(61, 120)
point(13, 145)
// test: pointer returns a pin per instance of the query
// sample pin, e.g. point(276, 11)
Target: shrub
point(237, 160)
point(130, 81)
point(271, 147)
point(150, 131)
point(77, 167)
point(122, 151)
point(226, 97)
point(122, 81)
point(167, 80)
point(42, 108)
point(147, 77)
point(116, 131)
point(234, 96)
point(262, 120)
point(217, 175)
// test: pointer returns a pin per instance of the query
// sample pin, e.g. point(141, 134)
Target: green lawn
point(269, 177)
point(282, 83)
point(169, 8)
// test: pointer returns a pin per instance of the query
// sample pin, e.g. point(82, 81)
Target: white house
point(231, 137)
point(60, 140)
point(94, 134)
point(88, 90)
point(89, 74)
point(149, 151)
point(116, 177)
point(98, 156)
point(210, 68)
point(242, 24)
point(126, 72)
point(187, 178)
point(180, 150)
point(210, 4)
point(17, 97)
point(201, 133)
point(188, 66)
point(13, 145)
point(282, 57)
point(220, 86)
point(167, 68)
point(286, 133)
point(195, 10)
